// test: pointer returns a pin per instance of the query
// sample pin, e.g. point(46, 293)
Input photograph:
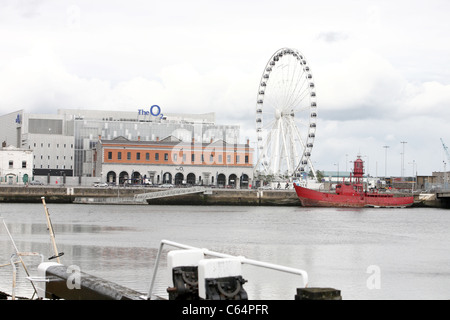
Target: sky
point(381, 68)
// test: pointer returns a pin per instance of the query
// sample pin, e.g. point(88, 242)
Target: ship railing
point(208, 252)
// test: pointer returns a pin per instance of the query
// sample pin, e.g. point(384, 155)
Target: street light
point(414, 170)
point(403, 158)
point(337, 164)
point(385, 161)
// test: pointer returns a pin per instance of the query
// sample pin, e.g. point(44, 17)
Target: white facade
point(204, 175)
point(63, 143)
point(16, 165)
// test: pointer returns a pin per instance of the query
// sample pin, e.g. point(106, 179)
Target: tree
point(319, 175)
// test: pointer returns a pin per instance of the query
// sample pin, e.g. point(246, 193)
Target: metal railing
point(168, 193)
point(242, 259)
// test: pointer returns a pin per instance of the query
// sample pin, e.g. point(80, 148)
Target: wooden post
point(318, 294)
point(50, 229)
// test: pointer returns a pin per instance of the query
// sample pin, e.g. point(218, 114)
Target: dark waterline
point(338, 248)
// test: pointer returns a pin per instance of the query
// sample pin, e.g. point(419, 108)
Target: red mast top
point(358, 168)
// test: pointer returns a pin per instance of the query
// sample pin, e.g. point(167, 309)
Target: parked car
point(36, 183)
point(100, 184)
point(166, 185)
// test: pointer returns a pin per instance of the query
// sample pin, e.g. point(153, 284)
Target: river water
point(368, 253)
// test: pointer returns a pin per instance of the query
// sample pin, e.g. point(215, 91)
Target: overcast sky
point(381, 68)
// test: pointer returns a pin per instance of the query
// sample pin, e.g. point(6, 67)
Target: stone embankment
point(63, 194)
point(213, 196)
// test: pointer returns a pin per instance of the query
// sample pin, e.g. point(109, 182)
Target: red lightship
point(351, 194)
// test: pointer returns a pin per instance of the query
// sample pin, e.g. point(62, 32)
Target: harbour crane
point(446, 150)
point(448, 159)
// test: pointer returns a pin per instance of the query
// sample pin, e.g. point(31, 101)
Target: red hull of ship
point(312, 198)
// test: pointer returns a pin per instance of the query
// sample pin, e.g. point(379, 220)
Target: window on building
point(237, 159)
point(24, 164)
point(128, 155)
point(147, 156)
point(119, 155)
point(246, 159)
point(175, 157)
point(228, 158)
point(109, 155)
point(157, 156)
point(166, 156)
point(203, 158)
point(138, 156)
point(192, 157)
point(211, 158)
point(220, 158)
point(184, 157)
point(11, 164)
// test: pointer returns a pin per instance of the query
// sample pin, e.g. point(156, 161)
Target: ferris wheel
point(286, 113)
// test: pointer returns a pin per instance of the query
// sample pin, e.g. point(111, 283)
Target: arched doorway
point(244, 181)
point(221, 180)
point(111, 177)
point(123, 177)
point(179, 177)
point(167, 177)
point(190, 179)
point(232, 180)
point(135, 177)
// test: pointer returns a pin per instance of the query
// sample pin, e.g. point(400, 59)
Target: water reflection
point(335, 246)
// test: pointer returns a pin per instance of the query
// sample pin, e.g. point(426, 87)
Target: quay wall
point(52, 194)
point(61, 194)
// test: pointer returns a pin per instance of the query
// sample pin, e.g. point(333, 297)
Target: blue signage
point(155, 110)
point(18, 119)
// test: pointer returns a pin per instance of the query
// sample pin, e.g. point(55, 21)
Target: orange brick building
point(173, 161)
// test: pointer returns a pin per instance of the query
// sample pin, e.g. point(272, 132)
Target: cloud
point(378, 76)
point(332, 36)
point(364, 85)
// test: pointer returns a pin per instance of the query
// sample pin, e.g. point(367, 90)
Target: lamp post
point(337, 164)
point(414, 170)
point(403, 159)
point(385, 161)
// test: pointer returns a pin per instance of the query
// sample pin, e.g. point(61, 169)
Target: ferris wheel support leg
point(312, 168)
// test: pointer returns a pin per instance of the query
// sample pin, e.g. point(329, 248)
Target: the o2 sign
point(155, 111)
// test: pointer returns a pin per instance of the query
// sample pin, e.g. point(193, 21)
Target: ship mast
point(358, 172)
